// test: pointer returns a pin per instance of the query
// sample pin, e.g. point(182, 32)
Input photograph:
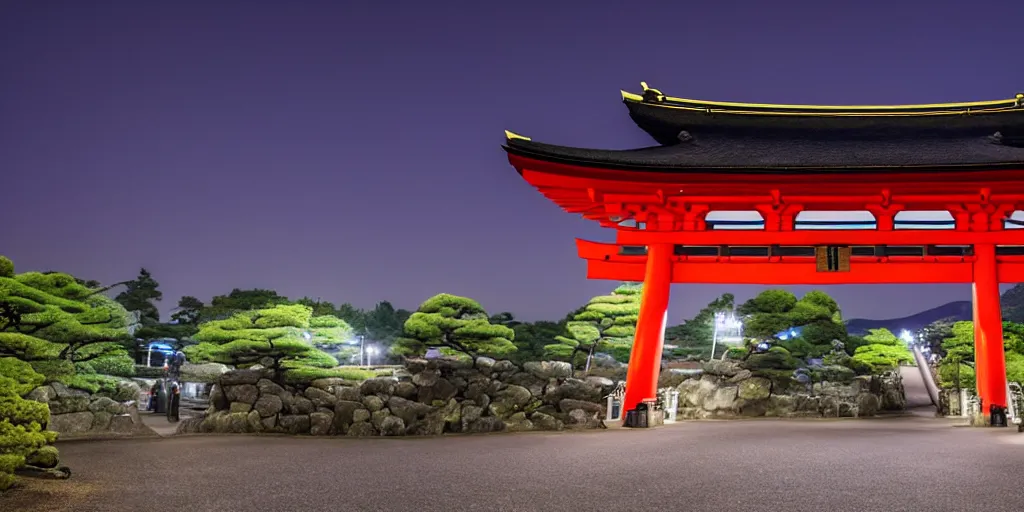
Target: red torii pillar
point(645, 357)
point(990, 360)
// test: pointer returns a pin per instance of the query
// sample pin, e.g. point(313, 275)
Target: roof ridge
point(656, 97)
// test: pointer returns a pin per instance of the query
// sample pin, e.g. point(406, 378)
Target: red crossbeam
point(605, 262)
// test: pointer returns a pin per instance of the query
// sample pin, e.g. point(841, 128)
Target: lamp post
point(370, 351)
point(360, 350)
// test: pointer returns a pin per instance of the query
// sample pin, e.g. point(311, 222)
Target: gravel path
point(897, 464)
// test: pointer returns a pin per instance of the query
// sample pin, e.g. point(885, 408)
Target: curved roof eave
point(657, 98)
point(634, 160)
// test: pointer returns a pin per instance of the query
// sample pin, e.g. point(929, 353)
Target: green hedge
point(22, 422)
point(308, 374)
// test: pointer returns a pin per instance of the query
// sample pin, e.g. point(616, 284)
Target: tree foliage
point(189, 311)
point(24, 439)
point(775, 358)
point(354, 316)
point(606, 324)
point(380, 325)
point(532, 337)
point(22, 422)
point(884, 351)
point(933, 334)
point(694, 336)
point(56, 323)
point(956, 369)
point(384, 323)
point(960, 345)
point(6, 267)
point(1015, 367)
point(140, 295)
point(238, 300)
point(274, 337)
point(178, 332)
point(776, 311)
point(1013, 337)
point(319, 307)
point(456, 323)
point(332, 335)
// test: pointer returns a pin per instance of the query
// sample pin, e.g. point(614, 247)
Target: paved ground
point(915, 390)
point(911, 464)
point(158, 423)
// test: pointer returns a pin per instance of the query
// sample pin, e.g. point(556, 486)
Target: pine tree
point(274, 337)
point(458, 324)
point(61, 327)
point(606, 324)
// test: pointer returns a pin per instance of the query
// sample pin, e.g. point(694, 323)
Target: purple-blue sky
point(350, 150)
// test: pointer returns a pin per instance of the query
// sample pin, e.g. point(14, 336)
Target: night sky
point(350, 150)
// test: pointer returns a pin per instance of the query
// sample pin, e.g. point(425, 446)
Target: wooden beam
point(605, 262)
point(803, 273)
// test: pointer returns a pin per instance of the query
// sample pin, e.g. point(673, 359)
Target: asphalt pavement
point(915, 390)
point(895, 464)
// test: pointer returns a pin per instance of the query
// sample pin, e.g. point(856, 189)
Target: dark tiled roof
point(807, 140)
point(664, 121)
point(722, 151)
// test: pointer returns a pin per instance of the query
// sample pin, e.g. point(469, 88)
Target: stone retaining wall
point(76, 413)
point(429, 398)
point(726, 390)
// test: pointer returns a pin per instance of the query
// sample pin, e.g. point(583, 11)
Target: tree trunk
point(572, 363)
point(590, 357)
point(106, 288)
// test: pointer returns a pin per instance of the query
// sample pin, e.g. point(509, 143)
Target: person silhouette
point(174, 364)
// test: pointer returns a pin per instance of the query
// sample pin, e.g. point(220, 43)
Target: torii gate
point(781, 160)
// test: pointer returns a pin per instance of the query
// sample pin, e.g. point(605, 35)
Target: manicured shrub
point(23, 438)
point(274, 337)
point(457, 324)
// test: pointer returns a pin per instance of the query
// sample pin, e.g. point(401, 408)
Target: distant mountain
point(954, 311)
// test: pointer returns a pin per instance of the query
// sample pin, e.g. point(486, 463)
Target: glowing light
point(370, 352)
point(727, 325)
point(907, 336)
point(725, 320)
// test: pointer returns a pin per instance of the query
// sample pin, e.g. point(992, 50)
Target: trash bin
point(997, 415)
point(642, 415)
point(637, 418)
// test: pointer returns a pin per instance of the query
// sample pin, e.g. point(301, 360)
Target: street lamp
point(360, 349)
point(723, 322)
point(370, 351)
point(358, 341)
point(907, 337)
